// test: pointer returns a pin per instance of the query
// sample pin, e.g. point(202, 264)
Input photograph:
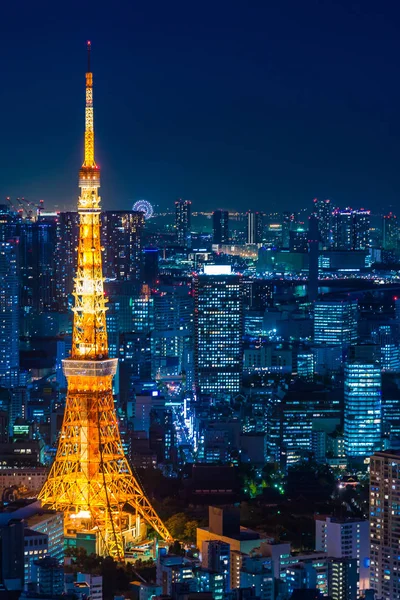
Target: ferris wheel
point(144, 207)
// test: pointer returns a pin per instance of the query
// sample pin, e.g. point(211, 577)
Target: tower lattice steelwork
point(91, 480)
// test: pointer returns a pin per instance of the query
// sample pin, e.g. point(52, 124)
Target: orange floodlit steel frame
point(91, 480)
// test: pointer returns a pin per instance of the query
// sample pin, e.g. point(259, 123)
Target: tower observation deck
point(91, 481)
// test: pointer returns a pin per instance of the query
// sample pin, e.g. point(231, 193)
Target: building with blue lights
point(218, 331)
point(362, 409)
point(9, 316)
point(335, 323)
point(384, 519)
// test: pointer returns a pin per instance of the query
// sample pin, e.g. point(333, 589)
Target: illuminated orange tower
point(91, 480)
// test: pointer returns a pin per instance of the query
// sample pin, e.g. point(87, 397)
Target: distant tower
point(183, 217)
point(220, 227)
point(91, 480)
point(254, 227)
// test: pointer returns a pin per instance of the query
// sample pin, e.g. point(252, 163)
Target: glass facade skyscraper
point(220, 227)
point(384, 517)
point(254, 227)
point(362, 409)
point(183, 214)
point(9, 316)
point(218, 331)
point(121, 237)
point(335, 323)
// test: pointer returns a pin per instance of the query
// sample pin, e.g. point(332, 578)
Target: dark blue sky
point(251, 104)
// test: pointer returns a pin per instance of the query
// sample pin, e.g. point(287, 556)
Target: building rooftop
point(244, 535)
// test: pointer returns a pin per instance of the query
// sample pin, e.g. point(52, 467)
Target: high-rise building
point(390, 232)
point(121, 237)
point(346, 538)
point(335, 323)
point(343, 579)
point(313, 246)
point(323, 212)
point(65, 257)
point(389, 350)
point(183, 219)
point(150, 266)
point(11, 555)
point(37, 250)
point(173, 328)
point(220, 227)
point(288, 222)
point(9, 316)
point(362, 409)
point(216, 556)
point(8, 223)
point(384, 516)
point(351, 229)
point(298, 240)
point(254, 227)
point(218, 331)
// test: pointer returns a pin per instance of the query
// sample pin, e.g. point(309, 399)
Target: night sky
point(236, 105)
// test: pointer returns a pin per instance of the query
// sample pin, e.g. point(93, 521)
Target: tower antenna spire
point(89, 44)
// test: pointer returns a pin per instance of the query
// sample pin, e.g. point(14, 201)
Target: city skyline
point(292, 80)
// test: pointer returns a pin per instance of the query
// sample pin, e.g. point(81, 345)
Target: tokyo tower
point(91, 481)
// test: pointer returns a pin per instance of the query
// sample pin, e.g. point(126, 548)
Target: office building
point(298, 240)
point(343, 579)
point(345, 539)
point(174, 570)
point(9, 220)
point(288, 223)
point(216, 556)
point(65, 256)
point(389, 352)
point(313, 246)
point(121, 238)
point(351, 229)
point(390, 232)
point(37, 250)
point(362, 409)
point(254, 227)
point(11, 555)
point(385, 524)
point(323, 212)
point(47, 577)
point(210, 583)
point(220, 227)
point(35, 546)
point(218, 331)
point(256, 573)
point(172, 334)
point(306, 365)
point(183, 219)
point(335, 323)
point(150, 266)
point(296, 427)
point(85, 586)
point(9, 316)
